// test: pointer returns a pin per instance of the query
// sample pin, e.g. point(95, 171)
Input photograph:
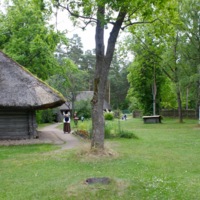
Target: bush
point(83, 108)
point(45, 116)
point(107, 131)
point(127, 134)
point(117, 113)
point(108, 116)
point(82, 133)
point(83, 126)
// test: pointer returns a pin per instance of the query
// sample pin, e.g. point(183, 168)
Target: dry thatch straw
point(86, 153)
point(21, 89)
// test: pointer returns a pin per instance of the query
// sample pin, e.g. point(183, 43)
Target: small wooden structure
point(152, 119)
point(21, 94)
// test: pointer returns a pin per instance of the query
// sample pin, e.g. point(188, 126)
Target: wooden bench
point(152, 119)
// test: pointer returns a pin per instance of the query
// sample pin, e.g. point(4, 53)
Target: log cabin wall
point(32, 124)
point(19, 124)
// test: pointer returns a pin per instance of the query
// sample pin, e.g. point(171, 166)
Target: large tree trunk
point(97, 101)
point(103, 62)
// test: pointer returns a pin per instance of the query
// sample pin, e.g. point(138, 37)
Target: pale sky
point(87, 36)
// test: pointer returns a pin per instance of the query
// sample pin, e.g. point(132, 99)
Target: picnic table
point(152, 119)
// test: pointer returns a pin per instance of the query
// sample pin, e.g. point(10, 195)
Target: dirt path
point(49, 134)
point(56, 136)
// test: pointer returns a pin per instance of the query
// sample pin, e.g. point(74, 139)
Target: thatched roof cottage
point(83, 95)
point(21, 94)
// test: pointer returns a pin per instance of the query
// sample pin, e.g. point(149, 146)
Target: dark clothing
point(67, 127)
point(66, 119)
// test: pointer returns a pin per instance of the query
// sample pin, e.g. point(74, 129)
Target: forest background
point(162, 73)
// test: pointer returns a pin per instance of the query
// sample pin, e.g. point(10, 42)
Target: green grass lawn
point(163, 163)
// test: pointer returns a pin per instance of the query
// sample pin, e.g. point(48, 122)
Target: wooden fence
point(170, 113)
point(174, 113)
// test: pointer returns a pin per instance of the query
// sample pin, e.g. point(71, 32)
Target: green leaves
point(27, 38)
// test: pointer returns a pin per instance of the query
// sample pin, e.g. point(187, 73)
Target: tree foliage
point(190, 51)
point(118, 82)
point(69, 81)
point(83, 108)
point(26, 36)
point(177, 53)
point(145, 73)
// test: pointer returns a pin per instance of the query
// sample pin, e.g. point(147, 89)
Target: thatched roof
point(84, 95)
point(21, 89)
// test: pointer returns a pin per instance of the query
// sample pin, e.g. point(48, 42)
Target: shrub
point(117, 113)
point(83, 130)
point(82, 133)
point(108, 116)
point(127, 134)
point(82, 126)
point(45, 116)
point(83, 108)
point(39, 117)
point(107, 131)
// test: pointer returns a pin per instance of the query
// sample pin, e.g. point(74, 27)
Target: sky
point(87, 36)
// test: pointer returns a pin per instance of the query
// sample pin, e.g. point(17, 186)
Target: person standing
point(75, 119)
point(66, 120)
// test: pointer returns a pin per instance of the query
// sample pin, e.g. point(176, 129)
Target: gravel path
point(49, 134)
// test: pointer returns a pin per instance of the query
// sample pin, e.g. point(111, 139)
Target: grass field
point(163, 164)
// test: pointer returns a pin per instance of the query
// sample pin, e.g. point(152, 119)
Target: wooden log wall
point(17, 124)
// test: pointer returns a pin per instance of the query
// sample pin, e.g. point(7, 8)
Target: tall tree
point(145, 74)
point(88, 65)
point(74, 50)
point(164, 50)
point(120, 14)
point(190, 50)
point(83, 60)
point(69, 81)
point(172, 68)
point(26, 36)
point(118, 82)
point(181, 57)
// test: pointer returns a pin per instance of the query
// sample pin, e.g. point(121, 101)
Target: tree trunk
point(180, 113)
point(97, 101)
point(178, 90)
point(103, 62)
point(154, 91)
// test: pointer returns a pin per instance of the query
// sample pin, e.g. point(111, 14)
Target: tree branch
point(77, 15)
point(168, 75)
point(114, 34)
point(142, 22)
point(147, 48)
